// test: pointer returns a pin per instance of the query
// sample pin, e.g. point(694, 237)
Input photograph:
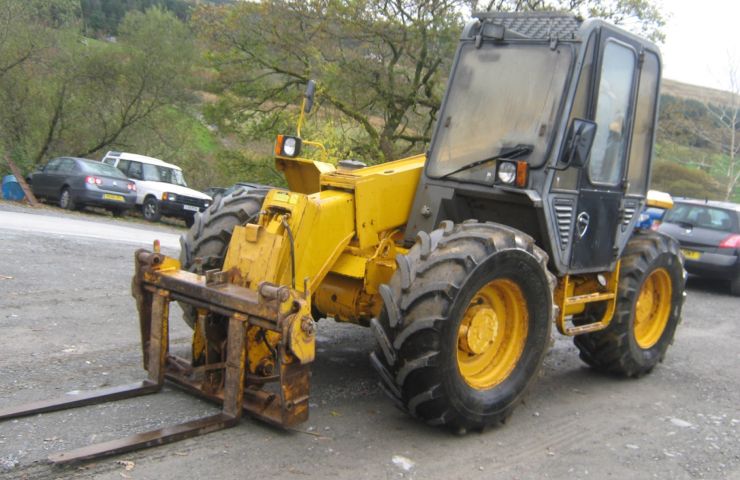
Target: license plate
point(190, 208)
point(691, 254)
point(109, 196)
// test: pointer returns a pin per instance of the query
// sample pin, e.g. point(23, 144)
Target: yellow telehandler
point(521, 215)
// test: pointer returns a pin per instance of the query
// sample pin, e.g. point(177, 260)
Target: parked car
point(161, 187)
point(78, 182)
point(709, 235)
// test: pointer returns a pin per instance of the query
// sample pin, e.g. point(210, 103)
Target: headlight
point(169, 196)
point(288, 146)
point(506, 172)
point(206, 204)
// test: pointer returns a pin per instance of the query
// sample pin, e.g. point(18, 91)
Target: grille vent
point(564, 219)
point(627, 213)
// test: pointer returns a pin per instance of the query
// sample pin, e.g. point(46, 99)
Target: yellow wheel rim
point(492, 334)
point(653, 308)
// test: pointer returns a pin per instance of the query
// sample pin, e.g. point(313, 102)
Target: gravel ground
point(68, 323)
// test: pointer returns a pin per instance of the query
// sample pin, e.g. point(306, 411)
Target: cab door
point(601, 182)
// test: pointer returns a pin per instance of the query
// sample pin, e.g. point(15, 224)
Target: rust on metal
point(81, 399)
point(148, 439)
point(258, 373)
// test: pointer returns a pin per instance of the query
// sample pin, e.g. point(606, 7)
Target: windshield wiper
point(505, 154)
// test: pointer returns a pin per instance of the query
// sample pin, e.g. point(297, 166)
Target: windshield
point(500, 96)
point(155, 173)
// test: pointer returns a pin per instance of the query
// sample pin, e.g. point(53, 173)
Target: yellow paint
point(345, 299)
point(350, 265)
point(322, 224)
point(302, 337)
point(574, 292)
point(302, 174)
point(653, 308)
point(659, 199)
point(384, 195)
point(492, 334)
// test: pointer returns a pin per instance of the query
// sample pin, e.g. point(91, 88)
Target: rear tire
point(209, 237)
point(465, 325)
point(66, 200)
point(648, 310)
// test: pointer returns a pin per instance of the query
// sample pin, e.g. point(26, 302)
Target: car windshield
point(703, 216)
point(156, 173)
point(500, 96)
point(97, 168)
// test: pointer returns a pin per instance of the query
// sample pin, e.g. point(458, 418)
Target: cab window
point(641, 149)
point(612, 108)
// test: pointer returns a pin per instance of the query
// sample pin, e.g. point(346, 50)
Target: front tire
point(648, 309)
point(465, 324)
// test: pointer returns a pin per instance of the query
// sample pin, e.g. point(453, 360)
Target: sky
point(701, 41)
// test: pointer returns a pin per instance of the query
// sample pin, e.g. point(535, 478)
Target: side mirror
point(310, 91)
point(580, 139)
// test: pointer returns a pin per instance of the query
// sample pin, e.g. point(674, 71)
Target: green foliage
point(381, 66)
point(698, 134)
point(679, 180)
point(83, 96)
point(241, 166)
point(104, 16)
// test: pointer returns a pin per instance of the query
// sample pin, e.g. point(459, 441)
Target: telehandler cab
point(521, 214)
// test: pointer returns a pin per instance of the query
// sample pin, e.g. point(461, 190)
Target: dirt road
point(68, 322)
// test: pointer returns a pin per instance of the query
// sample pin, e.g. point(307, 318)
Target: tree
point(104, 17)
point(381, 64)
point(725, 118)
point(83, 96)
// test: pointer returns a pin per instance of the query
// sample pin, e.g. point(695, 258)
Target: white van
point(160, 187)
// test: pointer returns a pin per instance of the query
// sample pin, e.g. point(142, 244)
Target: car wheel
point(150, 209)
point(189, 221)
point(66, 201)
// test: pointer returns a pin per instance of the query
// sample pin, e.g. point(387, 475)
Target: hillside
point(693, 145)
point(687, 91)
